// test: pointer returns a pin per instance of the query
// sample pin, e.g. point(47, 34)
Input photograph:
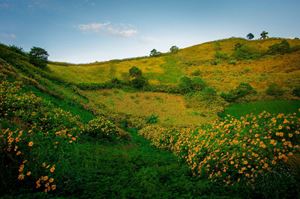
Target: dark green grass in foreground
point(274, 106)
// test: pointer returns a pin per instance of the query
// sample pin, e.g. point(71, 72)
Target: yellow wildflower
point(30, 144)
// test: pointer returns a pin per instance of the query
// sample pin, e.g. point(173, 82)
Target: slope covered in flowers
point(235, 149)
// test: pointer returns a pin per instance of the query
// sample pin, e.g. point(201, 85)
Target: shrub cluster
point(242, 90)
point(100, 127)
point(274, 90)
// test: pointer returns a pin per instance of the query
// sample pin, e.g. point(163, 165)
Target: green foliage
point(38, 57)
point(154, 53)
point(18, 50)
point(273, 106)
point(187, 84)
point(242, 52)
point(279, 48)
point(242, 90)
point(174, 49)
point(196, 72)
point(221, 55)
point(198, 84)
point(264, 35)
point(101, 128)
point(232, 61)
point(296, 91)
point(152, 119)
point(135, 72)
point(139, 82)
point(274, 90)
point(250, 36)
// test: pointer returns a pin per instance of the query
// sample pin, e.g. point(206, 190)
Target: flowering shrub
point(233, 150)
point(100, 127)
point(31, 155)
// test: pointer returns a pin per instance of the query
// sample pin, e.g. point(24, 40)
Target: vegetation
point(174, 49)
point(241, 91)
point(76, 130)
point(264, 35)
point(38, 57)
point(250, 36)
point(274, 90)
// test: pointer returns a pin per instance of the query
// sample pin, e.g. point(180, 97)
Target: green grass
point(274, 106)
point(65, 104)
point(131, 170)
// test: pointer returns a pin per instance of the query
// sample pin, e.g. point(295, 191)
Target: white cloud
point(117, 30)
point(7, 36)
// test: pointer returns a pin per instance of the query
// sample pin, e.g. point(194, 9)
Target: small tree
point(174, 49)
point(135, 72)
point(185, 84)
point(250, 36)
point(264, 35)
point(154, 53)
point(38, 57)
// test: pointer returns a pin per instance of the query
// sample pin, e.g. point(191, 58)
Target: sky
point(82, 31)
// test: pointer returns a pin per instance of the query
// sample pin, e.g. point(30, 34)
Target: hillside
point(217, 63)
point(226, 75)
point(215, 120)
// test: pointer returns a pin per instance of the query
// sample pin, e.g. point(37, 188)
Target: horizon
point(87, 31)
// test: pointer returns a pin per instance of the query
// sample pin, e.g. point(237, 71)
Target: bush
point(279, 48)
point(296, 91)
point(221, 56)
point(198, 84)
point(152, 119)
point(187, 84)
point(209, 93)
point(139, 82)
point(100, 127)
point(274, 90)
point(196, 72)
point(242, 90)
point(242, 52)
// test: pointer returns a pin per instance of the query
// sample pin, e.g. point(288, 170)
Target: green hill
point(79, 130)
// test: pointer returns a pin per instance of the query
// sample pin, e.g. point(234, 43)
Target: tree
point(174, 49)
point(250, 36)
point(154, 53)
point(137, 80)
point(38, 57)
point(135, 72)
point(185, 84)
point(264, 35)
point(17, 49)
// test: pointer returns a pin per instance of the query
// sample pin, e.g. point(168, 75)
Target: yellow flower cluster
point(233, 149)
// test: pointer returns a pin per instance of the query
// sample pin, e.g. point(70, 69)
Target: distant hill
point(217, 62)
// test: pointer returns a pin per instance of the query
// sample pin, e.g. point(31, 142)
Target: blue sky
point(82, 31)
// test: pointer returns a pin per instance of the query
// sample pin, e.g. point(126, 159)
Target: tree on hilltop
point(174, 49)
point(264, 35)
point(154, 53)
point(38, 57)
point(250, 36)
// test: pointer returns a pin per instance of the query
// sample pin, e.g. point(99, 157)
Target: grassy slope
point(98, 169)
point(167, 69)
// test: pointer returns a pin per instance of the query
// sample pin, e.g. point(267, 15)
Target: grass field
point(171, 109)
point(274, 106)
